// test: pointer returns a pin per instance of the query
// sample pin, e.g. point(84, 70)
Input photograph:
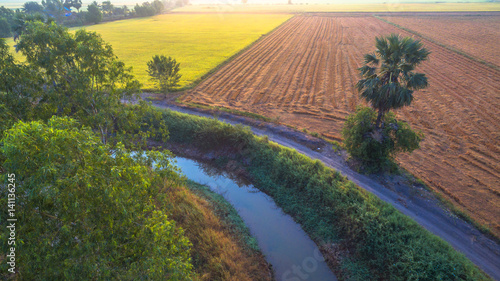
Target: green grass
point(227, 213)
point(199, 42)
point(424, 6)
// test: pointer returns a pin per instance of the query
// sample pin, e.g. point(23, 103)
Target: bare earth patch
point(475, 35)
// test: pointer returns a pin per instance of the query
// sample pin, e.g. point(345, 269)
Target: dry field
point(475, 35)
point(304, 74)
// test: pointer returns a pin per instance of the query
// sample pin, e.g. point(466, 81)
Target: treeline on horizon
point(69, 13)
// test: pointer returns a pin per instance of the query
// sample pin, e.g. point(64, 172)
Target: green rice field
point(200, 42)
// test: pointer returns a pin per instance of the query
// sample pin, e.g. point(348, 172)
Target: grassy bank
point(383, 244)
point(223, 248)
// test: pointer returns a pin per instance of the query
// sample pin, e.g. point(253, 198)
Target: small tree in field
point(165, 72)
point(388, 82)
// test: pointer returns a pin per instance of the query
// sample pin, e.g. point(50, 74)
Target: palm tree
point(388, 77)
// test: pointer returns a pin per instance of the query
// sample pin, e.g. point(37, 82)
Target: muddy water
point(293, 255)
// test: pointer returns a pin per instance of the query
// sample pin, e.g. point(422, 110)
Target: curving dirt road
point(412, 201)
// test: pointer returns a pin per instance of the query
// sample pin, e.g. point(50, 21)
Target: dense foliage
point(89, 211)
point(148, 9)
point(7, 17)
point(164, 72)
point(94, 14)
point(383, 243)
point(377, 148)
point(74, 75)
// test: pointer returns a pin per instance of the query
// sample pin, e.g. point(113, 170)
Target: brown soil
point(304, 74)
point(474, 35)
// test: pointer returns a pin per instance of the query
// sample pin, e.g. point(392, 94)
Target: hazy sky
point(19, 3)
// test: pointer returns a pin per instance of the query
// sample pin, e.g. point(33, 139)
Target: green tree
point(21, 20)
point(94, 14)
point(4, 28)
point(6, 21)
point(77, 4)
point(144, 10)
point(378, 153)
point(107, 8)
point(32, 7)
point(6, 13)
point(165, 72)
point(54, 9)
point(89, 211)
point(82, 78)
point(20, 90)
point(388, 82)
point(157, 6)
point(388, 77)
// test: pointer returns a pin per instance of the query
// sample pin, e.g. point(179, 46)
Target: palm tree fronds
point(417, 81)
point(391, 85)
point(371, 58)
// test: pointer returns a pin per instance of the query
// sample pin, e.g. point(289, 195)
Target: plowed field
point(474, 35)
point(304, 74)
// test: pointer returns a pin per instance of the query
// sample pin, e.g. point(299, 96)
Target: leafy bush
point(89, 212)
point(376, 148)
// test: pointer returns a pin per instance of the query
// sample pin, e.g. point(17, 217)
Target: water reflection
point(293, 255)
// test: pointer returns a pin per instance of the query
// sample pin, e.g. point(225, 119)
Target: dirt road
point(414, 202)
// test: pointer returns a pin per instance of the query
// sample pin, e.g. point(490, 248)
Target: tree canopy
point(74, 75)
point(94, 14)
point(90, 211)
point(165, 72)
point(388, 75)
point(32, 7)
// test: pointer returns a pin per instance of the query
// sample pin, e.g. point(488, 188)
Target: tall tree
point(158, 6)
point(54, 9)
point(32, 7)
point(82, 78)
point(21, 20)
point(94, 14)
point(77, 4)
point(388, 75)
point(107, 8)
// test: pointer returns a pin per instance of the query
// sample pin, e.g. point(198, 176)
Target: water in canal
point(293, 255)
